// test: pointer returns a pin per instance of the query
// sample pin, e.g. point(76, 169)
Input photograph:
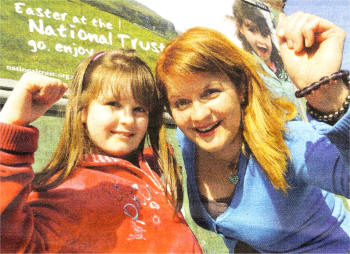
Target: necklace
point(234, 178)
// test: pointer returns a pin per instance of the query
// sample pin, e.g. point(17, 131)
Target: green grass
point(50, 130)
point(137, 13)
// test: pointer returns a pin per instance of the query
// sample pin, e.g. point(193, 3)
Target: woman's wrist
point(328, 95)
point(339, 75)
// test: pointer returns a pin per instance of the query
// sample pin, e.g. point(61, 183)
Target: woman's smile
point(208, 130)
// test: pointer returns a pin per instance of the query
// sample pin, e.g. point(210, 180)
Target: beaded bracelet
point(328, 118)
point(343, 74)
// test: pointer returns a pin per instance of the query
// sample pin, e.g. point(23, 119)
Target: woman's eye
point(140, 110)
point(210, 92)
point(181, 103)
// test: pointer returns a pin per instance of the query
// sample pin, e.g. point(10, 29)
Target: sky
point(189, 13)
point(337, 11)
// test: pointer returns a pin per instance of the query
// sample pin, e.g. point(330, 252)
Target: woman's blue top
point(309, 217)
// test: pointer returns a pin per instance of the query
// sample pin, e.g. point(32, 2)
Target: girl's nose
point(260, 38)
point(126, 116)
point(199, 111)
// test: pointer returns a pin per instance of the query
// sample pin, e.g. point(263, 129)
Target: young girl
point(100, 192)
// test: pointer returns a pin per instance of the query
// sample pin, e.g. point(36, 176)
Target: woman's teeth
point(202, 130)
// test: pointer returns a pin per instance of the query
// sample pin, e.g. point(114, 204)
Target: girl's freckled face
point(116, 127)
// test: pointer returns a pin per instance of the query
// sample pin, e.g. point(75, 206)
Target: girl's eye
point(113, 104)
point(181, 103)
point(252, 29)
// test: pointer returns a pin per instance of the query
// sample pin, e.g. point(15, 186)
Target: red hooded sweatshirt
point(107, 205)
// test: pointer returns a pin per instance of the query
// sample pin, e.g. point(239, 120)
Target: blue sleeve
point(339, 136)
point(320, 154)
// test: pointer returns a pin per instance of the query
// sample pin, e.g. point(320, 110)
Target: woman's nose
point(200, 111)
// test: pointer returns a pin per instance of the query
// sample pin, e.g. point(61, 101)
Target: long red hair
point(205, 50)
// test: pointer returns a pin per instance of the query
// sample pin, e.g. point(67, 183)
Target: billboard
point(52, 37)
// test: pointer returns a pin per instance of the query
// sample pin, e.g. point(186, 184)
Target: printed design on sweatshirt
point(143, 198)
point(98, 160)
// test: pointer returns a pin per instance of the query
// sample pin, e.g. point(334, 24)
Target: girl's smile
point(116, 126)
point(125, 134)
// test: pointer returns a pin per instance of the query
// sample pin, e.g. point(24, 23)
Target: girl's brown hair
point(205, 50)
point(101, 74)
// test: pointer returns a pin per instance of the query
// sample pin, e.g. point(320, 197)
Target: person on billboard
point(256, 34)
point(255, 174)
point(101, 192)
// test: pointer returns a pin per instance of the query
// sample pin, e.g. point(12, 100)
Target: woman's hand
point(311, 48)
point(33, 95)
